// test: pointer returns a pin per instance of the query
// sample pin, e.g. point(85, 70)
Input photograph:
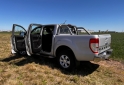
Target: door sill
point(45, 55)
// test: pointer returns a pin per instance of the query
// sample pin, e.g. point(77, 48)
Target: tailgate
point(104, 42)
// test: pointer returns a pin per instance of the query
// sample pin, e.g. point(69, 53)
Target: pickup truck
point(60, 41)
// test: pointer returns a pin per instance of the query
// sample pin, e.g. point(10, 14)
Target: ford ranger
point(60, 41)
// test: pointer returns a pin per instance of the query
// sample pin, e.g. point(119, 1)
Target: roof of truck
point(58, 24)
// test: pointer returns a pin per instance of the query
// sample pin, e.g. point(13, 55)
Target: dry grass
point(37, 70)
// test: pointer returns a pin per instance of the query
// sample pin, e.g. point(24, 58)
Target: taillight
point(94, 45)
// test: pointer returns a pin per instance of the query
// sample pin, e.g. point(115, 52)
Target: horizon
point(91, 14)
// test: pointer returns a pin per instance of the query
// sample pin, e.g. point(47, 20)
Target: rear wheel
point(66, 60)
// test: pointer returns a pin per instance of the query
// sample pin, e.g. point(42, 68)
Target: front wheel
point(66, 60)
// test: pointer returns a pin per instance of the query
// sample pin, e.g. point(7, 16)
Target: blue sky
point(90, 14)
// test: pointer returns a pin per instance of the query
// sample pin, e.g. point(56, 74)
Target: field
point(118, 46)
point(37, 70)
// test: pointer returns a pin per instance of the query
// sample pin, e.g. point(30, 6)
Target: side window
point(36, 29)
point(48, 30)
point(64, 30)
point(19, 31)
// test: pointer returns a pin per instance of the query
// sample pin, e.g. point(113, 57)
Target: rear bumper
point(103, 56)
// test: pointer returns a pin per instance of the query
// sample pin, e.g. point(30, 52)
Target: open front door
point(17, 39)
point(34, 39)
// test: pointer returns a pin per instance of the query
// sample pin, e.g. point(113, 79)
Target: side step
point(45, 55)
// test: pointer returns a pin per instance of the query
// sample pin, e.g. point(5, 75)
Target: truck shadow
point(84, 69)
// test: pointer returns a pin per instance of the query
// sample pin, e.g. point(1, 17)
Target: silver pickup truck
point(62, 41)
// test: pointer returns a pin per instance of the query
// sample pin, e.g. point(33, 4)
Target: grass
point(118, 45)
point(37, 70)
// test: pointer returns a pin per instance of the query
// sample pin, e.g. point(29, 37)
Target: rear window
point(64, 30)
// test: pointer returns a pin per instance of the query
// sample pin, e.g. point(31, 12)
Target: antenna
point(65, 21)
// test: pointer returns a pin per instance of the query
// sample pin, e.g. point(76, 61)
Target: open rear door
point(17, 39)
point(34, 39)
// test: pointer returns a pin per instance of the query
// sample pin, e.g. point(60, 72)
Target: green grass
point(117, 46)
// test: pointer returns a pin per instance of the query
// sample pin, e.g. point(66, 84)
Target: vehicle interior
point(47, 35)
point(43, 42)
point(38, 42)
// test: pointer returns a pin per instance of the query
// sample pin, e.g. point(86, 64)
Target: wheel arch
point(63, 48)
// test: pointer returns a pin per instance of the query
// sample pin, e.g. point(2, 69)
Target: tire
point(66, 60)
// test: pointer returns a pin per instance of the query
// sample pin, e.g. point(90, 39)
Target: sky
point(90, 14)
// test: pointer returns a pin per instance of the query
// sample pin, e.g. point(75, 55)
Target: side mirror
point(22, 34)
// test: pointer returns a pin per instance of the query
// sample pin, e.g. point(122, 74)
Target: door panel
point(36, 43)
point(20, 43)
point(17, 38)
point(33, 39)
